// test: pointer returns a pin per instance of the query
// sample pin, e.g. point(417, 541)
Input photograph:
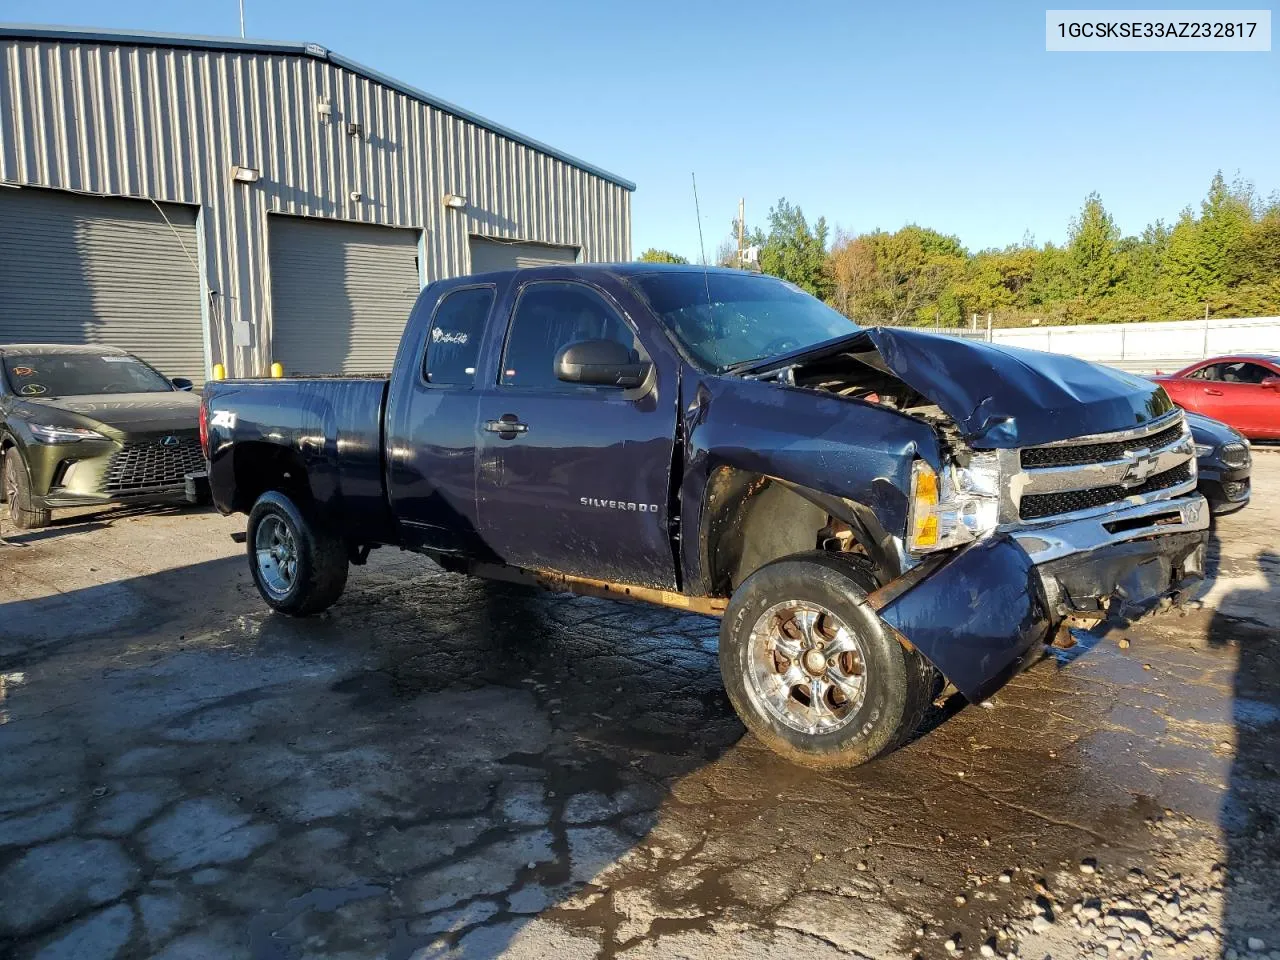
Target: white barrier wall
point(1148, 347)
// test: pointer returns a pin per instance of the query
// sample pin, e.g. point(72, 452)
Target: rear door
point(431, 421)
point(576, 478)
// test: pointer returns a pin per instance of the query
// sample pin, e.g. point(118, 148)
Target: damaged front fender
point(978, 614)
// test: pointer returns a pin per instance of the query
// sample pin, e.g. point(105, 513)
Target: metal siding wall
point(170, 123)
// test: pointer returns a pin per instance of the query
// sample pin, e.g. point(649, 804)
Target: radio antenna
point(702, 250)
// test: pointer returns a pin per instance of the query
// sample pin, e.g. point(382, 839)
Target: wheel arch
point(261, 467)
point(750, 519)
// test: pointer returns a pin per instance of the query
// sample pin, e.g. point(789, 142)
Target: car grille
point(150, 465)
point(1036, 506)
point(1078, 454)
point(1235, 455)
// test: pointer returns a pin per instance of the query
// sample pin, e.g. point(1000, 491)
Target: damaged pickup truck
point(872, 512)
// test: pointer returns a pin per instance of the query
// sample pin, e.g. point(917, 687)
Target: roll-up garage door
point(487, 254)
point(340, 294)
point(78, 269)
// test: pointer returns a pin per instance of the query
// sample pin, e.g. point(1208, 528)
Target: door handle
point(1212, 393)
point(507, 425)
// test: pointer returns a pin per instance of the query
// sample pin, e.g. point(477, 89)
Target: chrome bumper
point(1133, 557)
point(1181, 515)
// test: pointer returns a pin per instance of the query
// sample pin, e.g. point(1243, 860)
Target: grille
point(150, 465)
point(1035, 506)
point(1235, 455)
point(1076, 454)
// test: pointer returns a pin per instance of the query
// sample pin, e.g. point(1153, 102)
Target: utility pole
point(241, 19)
point(742, 214)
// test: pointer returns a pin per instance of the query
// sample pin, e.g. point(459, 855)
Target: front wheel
point(299, 567)
point(24, 511)
point(811, 669)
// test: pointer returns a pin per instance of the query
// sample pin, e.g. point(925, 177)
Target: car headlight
point(47, 434)
point(1204, 449)
point(1236, 453)
point(955, 507)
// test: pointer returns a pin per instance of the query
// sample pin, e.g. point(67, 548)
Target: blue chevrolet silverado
point(874, 513)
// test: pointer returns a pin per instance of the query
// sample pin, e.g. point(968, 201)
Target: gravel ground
point(441, 767)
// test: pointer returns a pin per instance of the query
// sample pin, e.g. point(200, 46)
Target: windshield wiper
point(744, 364)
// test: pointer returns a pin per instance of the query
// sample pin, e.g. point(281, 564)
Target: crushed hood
point(999, 396)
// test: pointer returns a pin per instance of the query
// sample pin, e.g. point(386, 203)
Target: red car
point(1242, 390)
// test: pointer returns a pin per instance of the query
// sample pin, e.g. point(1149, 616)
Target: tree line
point(1223, 258)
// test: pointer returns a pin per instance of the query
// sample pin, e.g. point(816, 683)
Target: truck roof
point(628, 269)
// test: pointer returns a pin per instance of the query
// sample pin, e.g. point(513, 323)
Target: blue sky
point(950, 115)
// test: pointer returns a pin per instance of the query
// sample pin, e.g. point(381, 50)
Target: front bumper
point(1226, 490)
point(982, 612)
point(1133, 556)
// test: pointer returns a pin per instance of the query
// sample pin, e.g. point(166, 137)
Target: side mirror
point(600, 363)
point(182, 383)
point(1272, 383)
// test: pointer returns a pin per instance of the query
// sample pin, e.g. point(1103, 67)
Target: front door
point(574, 478)
point(1237, 393)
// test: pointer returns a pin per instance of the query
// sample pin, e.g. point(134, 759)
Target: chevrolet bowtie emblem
point(1140, 470)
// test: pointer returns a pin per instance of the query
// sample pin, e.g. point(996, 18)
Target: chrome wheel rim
point(277, 554)
point(10, 486)
point(807, 668)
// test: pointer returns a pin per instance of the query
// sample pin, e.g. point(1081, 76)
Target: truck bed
point(330, 426)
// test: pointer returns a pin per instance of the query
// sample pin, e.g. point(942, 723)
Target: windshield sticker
point(23, 371)
point(118, 360)
point(458, 337)
point(32, 389)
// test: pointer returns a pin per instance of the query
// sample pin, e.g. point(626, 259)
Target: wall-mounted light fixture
point(355, 129)
point(245, 174)
point(355, 196)
point(455, 202)
point(324, 108)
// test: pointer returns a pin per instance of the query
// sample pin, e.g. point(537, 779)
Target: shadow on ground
point(1250, 815)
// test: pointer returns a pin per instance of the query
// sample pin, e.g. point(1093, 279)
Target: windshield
point(80, 375)
point(748, 317)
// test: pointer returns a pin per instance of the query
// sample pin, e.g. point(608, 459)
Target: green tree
point(1094, 250)
point(794, 251)
point(654, 255)
point(899, 278)
point(1208, 254)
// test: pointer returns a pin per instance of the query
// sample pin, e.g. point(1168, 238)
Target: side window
point(550, 314)
point(1211, 372)
point(454, 341)
point(1250, 372)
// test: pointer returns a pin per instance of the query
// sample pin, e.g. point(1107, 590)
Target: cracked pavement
point(442, 767)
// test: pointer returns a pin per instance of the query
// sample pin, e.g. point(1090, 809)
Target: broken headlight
point(953, 507)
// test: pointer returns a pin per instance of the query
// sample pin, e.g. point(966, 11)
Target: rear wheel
point(298, 566)
point(811, 669)
point(25, 513)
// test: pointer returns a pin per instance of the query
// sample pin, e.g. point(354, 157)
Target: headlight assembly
point(48, 434)
point(955, 507)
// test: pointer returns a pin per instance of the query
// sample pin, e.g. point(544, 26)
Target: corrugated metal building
point(206, 200)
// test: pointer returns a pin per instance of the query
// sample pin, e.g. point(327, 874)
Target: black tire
point(320, 574)
point(897, 682)
point(23, 511)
